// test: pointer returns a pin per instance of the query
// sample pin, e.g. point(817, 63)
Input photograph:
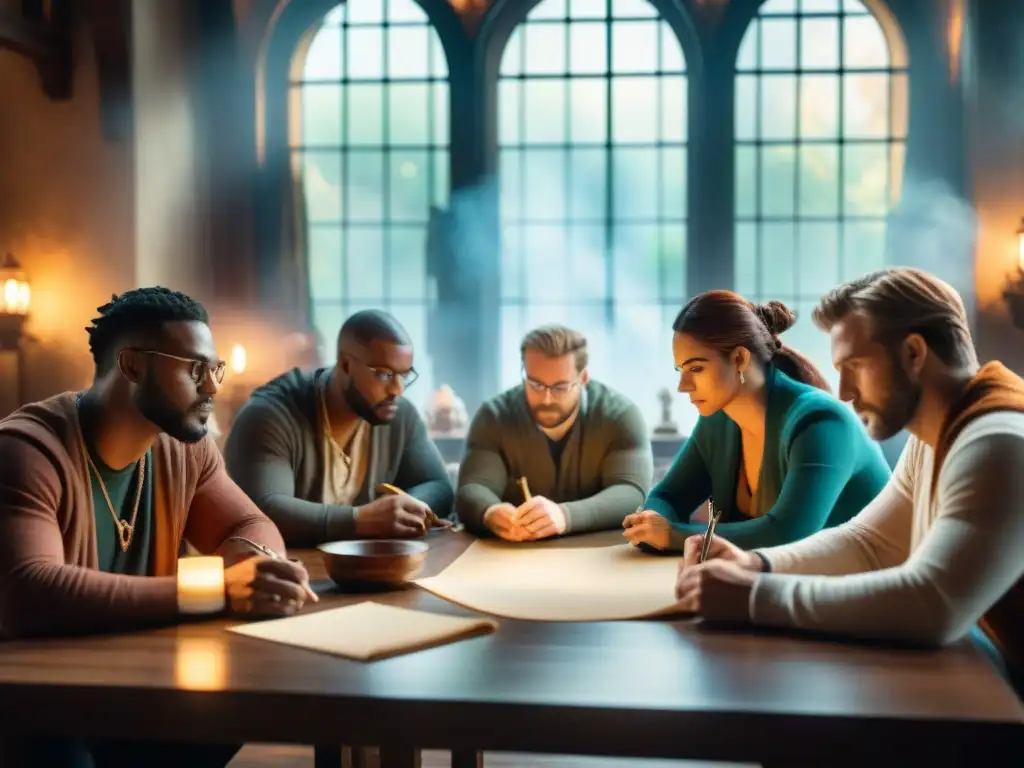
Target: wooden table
point(669, 689)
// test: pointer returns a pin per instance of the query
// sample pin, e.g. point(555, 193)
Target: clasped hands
point(717, 589)
point(538, 518)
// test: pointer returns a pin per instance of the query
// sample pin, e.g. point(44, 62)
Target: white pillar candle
point(201, 584)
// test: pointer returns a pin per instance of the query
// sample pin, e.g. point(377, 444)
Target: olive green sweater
point(602, 474)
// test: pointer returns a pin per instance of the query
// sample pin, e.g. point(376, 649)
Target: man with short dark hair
point(99, 490)
point(939, 550)
point(582, 448)
point(312, 448)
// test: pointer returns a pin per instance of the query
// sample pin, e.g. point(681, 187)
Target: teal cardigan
point(819, 469)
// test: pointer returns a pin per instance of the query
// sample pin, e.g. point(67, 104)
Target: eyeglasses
point(386, 375)
point(561, 389)
point(198, 368)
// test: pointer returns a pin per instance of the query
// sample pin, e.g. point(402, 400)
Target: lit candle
point(201, 584)
point(237, 392)
point(239, 360)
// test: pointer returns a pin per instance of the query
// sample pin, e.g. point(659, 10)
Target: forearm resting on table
point(605, 509)
point(47, 599)
point(472, 500)
point(878, 537)
point(306, 524)
point(968, 560)
point(896, 604)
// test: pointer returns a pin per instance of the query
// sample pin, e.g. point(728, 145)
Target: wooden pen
point(524, 486)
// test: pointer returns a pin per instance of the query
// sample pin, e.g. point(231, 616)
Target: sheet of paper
point(366, 631)
point(586, 580)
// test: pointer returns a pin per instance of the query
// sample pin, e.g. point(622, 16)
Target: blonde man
point(582, 448)
point(939, 549)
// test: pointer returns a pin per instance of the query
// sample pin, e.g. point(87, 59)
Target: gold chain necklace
point(125, 529)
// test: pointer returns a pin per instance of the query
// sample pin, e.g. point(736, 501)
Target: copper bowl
point(373, 563)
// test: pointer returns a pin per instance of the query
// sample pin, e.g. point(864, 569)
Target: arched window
point(821, 118)
point(372, 139)
point(592, 133)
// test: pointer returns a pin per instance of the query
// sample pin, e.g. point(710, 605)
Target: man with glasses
point(312, 448)
point(100, 489)
point(558, 454)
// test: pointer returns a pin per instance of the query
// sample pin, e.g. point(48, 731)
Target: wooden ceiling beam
point(46, 41)
point(24, 37)
point(109, 23)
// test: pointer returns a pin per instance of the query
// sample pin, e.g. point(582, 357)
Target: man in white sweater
point(941, 549)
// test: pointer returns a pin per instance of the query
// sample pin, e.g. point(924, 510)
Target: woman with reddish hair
point(773, 451)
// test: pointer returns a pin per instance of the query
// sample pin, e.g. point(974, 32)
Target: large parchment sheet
point(584, 578)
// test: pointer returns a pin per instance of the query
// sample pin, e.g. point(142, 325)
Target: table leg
point(393, 757)
point(467, 758)
point(327, 756)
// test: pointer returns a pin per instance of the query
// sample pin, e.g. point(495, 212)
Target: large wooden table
point(669, 689)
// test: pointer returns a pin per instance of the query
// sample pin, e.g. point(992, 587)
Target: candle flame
point(239, 359)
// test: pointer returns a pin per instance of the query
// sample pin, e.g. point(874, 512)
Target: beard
point(364, 409)
point(186, 427)
point(552, 416)
point(897, 408)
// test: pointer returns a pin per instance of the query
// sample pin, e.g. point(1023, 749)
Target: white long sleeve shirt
point(912, 567)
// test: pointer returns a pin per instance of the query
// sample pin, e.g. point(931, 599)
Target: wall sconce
point(1014, 294)
point(1020, 246)
point(15, 298)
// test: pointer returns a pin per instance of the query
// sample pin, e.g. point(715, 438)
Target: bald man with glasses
point(311, 448)
point(582, 448)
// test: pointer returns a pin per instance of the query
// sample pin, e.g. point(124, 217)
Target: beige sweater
point(913, 568)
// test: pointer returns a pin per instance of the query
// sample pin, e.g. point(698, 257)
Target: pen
point(525, 487)
point(273, 556)
point(432, 519)
point(710, 534)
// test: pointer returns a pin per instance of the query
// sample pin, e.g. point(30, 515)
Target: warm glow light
point(469, 6)
point(17, 297)
point(238, 359)
point(201, 584)
point(1020, 245)
point(955, 37)
point(200, 664)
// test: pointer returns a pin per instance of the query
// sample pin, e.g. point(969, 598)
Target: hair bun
point(777, 317)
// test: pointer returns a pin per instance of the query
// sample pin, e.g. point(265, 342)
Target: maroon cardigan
point(50, 583)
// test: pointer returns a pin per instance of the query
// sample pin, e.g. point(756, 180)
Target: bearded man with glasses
point(100, 490)
point(312, 448)
point(582, 447)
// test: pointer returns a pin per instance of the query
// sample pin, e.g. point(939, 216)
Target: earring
point(742, 379)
